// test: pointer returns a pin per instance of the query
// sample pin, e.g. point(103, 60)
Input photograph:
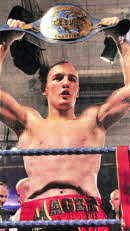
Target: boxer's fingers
point(110, 21)
point(12, 23)
point(17, 23)
point(111, 31)
point(115, 20)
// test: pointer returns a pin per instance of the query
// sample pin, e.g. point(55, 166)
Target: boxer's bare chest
point(62, 134)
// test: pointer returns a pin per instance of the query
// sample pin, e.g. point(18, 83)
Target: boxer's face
point(3, 194)
point(62, 86)
point(115, 200)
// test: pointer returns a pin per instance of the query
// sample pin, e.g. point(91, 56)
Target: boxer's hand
point(12, 23)
point(110, 21)
point(11, 36)
point(8, 37)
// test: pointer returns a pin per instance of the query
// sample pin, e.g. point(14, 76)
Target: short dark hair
point(44, 71)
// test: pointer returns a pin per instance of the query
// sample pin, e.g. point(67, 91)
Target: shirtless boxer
point(62, 129)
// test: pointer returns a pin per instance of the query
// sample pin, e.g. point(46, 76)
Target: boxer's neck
point(57, 114)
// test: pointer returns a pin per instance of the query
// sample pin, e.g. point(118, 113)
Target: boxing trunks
point(68, 207)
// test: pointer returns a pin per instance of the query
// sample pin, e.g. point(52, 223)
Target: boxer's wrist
point(4, 46)
point(121, 39)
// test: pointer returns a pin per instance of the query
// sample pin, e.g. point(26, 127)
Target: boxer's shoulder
point(31, 114)
point(91, 111)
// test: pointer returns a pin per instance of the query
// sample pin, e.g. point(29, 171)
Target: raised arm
point(11, 113)
point(118, 103)
point(124, 52)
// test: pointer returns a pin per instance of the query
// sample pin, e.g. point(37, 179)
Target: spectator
point(4, 215)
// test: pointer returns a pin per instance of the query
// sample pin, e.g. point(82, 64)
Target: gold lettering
point(55, 207)
point(68, 205)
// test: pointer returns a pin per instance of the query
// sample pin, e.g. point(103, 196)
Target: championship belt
point(64, 23)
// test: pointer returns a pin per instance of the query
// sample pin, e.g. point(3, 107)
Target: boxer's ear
point(45, 92)
point(43, 89)
point(78, 92)
point(111, 204)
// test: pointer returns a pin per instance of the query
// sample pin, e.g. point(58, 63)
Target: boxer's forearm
point(124, 52)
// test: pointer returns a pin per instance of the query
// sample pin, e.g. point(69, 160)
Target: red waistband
point(68, 207)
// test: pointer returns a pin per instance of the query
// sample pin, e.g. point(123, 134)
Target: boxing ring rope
point(79, 223)
point(61, 151)
point(57, 151)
